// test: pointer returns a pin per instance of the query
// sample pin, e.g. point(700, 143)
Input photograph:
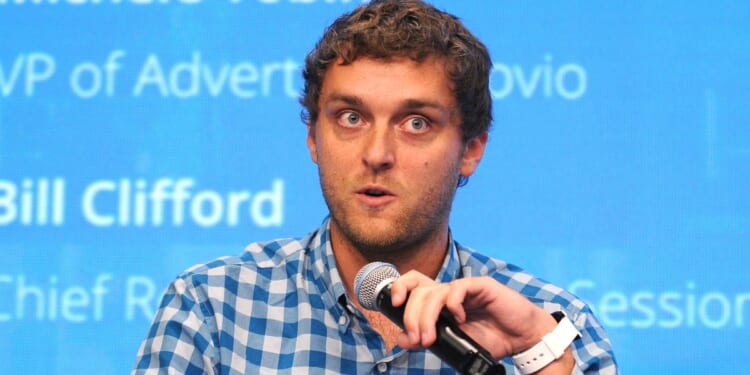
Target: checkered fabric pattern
point(280, 308)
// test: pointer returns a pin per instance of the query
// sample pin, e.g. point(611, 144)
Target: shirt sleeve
point(179, 340)
point(593, 350)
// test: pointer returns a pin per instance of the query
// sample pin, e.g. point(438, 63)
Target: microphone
point(372, 285)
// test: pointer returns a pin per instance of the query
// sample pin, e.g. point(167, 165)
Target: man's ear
point(311, 143)
point(473, 152)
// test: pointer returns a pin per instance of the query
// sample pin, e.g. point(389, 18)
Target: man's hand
point(495, 316)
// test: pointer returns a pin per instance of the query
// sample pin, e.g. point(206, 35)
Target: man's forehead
point(432, 68)
point(393, 59)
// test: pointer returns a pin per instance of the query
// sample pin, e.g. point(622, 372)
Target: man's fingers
point(424, 310)
point(404, 284)
point(421, 311)
point(454, 301)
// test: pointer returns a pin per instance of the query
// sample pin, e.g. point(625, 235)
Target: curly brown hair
point(385, 29)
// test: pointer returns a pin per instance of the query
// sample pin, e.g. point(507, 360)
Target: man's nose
point(379, 148)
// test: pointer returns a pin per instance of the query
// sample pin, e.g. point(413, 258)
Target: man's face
point(389, 152)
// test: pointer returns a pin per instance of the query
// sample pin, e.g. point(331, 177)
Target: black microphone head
point(370, 280)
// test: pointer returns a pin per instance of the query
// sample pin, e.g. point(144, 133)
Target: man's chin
point(376, 236)
point(377, 240)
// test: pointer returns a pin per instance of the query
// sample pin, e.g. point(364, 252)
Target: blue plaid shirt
point(281, 308)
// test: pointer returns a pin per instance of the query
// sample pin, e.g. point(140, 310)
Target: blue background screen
point(618, 165)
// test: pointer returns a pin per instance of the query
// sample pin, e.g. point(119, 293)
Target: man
point(397, 112)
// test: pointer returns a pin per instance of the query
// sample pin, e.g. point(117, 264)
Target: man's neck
point(426, 257)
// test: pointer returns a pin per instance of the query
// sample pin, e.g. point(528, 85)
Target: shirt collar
point(322, 265)
point(451, 268)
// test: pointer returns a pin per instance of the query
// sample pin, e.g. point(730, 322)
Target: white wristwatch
point(551, 347)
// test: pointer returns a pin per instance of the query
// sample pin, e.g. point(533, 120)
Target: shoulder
point(258, 264)
point(543, 293)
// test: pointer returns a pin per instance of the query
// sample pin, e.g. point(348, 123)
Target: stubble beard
point(377, 238)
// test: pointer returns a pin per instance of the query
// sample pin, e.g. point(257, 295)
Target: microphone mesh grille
point(369, 278)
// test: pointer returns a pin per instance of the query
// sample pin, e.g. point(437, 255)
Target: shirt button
point(350, 308)
point(343, 324)
point(382, 367)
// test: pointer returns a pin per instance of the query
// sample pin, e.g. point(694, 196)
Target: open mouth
point(374, 193)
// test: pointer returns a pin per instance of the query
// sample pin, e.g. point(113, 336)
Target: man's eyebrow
point(408, 103)
point(348, 99)
point(419, 103)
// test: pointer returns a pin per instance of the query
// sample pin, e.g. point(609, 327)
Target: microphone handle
point(452, 345)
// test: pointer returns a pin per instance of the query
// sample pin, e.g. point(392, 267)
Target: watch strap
point(551, 347)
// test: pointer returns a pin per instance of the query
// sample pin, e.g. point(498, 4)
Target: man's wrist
point(551, 347)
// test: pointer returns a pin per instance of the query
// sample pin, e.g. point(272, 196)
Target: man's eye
point(349, 118)
point(416, 124)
